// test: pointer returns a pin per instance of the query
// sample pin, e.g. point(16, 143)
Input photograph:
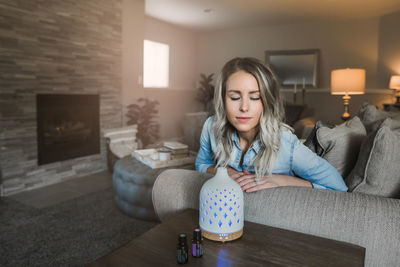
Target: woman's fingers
point(249, 184)
point(234, 174)
point(255, 188)
point(263, 185)
point(245, 177)
point(247, 181)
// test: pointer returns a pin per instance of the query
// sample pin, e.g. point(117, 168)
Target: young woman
point(247, 136)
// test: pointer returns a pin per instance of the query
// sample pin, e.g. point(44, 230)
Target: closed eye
point(234, 98)
point(255, 98)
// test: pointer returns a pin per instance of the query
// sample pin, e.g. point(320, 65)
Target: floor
point(57, 193)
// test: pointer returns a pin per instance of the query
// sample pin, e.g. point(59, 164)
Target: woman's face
point(243, 102)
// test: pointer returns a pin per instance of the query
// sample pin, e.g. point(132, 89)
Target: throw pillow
point(312, 142)
point(377, 170)
point(342, 144)
point(369, 114)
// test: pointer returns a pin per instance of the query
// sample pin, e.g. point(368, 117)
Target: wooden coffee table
point(260, 245)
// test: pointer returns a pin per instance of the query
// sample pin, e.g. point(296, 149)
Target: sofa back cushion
point(370, 114)
point(377, 171)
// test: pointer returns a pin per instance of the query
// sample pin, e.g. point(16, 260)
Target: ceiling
point(235, 13)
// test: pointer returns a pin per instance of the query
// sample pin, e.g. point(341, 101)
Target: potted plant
point(143, 114)
point(205, 93)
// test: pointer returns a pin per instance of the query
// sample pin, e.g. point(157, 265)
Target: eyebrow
point(239, 92)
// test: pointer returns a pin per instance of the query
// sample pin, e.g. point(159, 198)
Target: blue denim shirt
point(293, 159)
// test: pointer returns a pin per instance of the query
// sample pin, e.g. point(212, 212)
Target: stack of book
point(178, 150)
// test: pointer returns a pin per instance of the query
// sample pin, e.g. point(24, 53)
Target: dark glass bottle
point(197, 243)
point(182, 249)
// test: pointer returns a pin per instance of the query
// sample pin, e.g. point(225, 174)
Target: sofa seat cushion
point(377, 171)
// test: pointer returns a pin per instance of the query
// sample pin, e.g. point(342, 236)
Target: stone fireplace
point(67, 126)
point(62, 53)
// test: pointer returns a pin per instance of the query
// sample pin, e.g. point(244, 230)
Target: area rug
point(72, 233)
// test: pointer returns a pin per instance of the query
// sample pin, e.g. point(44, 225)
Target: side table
point(391, 107)
point(133, 184)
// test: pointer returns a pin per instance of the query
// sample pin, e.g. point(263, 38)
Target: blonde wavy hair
point(271, 120)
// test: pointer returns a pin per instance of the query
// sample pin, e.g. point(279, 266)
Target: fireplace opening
point(67, 126)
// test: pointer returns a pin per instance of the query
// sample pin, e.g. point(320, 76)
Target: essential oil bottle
point(182, 249)
point(197, 244)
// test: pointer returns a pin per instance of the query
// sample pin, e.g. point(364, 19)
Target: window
point(155, 64)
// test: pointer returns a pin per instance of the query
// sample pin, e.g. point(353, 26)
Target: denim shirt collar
point(256, 146)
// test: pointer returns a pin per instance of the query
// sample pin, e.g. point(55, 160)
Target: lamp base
point(346, 103)
point(222, 237)
point(345, 116)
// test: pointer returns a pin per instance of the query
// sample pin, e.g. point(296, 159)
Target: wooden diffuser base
point(221, 237)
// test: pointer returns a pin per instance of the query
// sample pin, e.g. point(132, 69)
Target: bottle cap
point(182, 238)
point(197, 234)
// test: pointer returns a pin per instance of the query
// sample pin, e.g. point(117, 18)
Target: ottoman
point(133, 184)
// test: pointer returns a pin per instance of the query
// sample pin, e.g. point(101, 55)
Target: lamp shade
point(394, 82)
point(348, 81)
point(221, 208)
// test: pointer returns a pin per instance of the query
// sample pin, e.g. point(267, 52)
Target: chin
point(243, 128)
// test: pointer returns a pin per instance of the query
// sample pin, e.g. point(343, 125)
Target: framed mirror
point(292, 67)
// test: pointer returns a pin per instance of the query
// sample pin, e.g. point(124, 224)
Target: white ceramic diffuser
point(221, 208)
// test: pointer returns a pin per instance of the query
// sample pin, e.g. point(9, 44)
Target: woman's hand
point(250, 183)
point(234, 174)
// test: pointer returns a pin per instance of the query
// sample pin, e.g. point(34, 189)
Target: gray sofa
point(361, 217)
point(369, 221)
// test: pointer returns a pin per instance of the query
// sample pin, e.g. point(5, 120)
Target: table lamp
point(395, 84)
point(347, 82)
point(221, 208)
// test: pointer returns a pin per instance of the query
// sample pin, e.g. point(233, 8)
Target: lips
point(243, 119)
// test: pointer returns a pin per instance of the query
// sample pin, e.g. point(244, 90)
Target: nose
point(244, 105)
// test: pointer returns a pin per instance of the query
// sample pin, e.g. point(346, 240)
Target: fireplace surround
point(67, 126)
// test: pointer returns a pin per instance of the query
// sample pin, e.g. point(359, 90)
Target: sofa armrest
point(175, 190)
point(369, 221)
point(302, 128)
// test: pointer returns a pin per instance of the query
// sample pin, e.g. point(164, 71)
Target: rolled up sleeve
point(315, 169)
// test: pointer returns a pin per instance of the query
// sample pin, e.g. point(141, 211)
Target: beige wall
point(389, 48)
point(179, 98)
point(133, 21)
point(343, 44)
point(351, 43)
